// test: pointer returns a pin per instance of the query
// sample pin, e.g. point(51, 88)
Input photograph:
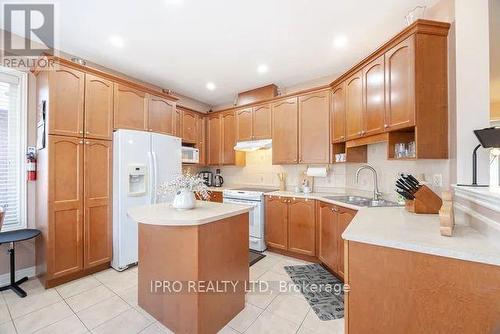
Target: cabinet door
point(228, 138)
point(188, 126)
point(262, 122)
point(66, 96)
point(302, 227)
point(374, 97)
point(178, 123)
point(344, 217)
point(276, 231)
point(354, 106)
point(130, 108)
point(244, 124)
point(98, 107)
point(65, 192)
point(201, 138)
point(327, 248)
point(400, 85)
point(161, 115)
point(214, 140)
point(98, 223)
point(338, 113)
point(314, 128)
point(285, 131)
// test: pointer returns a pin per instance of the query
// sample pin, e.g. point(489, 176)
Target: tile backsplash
point(259, 170)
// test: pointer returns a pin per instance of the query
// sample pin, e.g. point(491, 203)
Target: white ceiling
point(183, 44)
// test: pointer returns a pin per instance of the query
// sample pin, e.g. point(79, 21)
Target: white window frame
point(22, 104)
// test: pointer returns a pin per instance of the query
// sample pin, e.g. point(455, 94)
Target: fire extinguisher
point(31, 166)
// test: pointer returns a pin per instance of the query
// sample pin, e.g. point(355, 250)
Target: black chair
point(12, 237)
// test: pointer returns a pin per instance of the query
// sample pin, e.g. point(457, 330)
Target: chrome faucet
point(376, 194)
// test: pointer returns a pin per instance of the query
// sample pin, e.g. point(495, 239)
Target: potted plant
point(184, 187)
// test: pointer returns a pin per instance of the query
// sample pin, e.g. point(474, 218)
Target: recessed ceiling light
point(210, 85)
point(117, 41)
point(340, 41)
point(262, 69)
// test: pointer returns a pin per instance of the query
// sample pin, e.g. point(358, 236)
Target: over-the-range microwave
point(190, 155)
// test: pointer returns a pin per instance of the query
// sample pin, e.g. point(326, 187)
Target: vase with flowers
point(185, 186)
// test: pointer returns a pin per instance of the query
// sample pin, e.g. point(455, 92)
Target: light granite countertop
point(204, 213)
point(395, 227)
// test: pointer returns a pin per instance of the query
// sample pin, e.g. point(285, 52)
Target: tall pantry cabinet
point(74, 185)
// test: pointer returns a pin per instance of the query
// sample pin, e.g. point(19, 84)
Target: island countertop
point(204, 213)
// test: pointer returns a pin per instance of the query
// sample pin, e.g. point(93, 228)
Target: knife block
point(426, 202)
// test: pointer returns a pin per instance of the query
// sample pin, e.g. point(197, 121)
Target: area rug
point(254, 257)
point(323, 291)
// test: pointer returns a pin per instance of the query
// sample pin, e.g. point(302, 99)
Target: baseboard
point(5, 278)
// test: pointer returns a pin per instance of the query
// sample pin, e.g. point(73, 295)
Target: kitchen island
point(193, 265)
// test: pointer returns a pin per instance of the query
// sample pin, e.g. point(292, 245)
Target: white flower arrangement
point(185, 182)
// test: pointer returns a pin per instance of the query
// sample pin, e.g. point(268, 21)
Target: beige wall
point(259, 170)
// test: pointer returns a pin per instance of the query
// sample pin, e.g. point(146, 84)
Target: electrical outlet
point(437, 180)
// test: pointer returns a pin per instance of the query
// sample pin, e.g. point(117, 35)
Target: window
point(13, 132)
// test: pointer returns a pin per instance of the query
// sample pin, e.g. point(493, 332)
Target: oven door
point(256, 227)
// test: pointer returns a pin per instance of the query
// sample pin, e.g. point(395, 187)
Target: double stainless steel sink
point(362, 201)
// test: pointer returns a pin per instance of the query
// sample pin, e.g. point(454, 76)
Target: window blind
point(12, 134)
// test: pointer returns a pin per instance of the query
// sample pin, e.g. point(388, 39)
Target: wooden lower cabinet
point(302, 226)
point(398, 291)
point(290, 225)
point(98, 224)
point(276, 229)
point(73, 207)
point(332, 222)
point(64, 233)
point(327, 231)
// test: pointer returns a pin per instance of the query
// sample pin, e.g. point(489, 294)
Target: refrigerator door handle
point(155, 179)
point(151, 177)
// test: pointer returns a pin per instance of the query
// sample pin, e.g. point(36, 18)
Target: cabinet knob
point(80, 142)
point(342, 137)
point(87, 142)
point(359, 133)
point(363, 132)
point(80, 132)
point(386, 126)
point(87, 132)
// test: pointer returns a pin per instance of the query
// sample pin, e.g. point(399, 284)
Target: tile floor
point(106, 302)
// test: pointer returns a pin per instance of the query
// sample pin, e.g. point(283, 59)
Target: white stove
point(253, 196)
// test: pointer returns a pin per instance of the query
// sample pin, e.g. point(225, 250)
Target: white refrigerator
point(142, 161)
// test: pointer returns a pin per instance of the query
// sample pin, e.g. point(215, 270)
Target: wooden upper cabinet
point(354, 106)
point(98, 107)
point(338, 114)
point(285, 131)
point(400, 85)
point(302, 227)
point(201, 144)
point(66, 102)
point(374, 96)
point(228, 138)
point(161, 115)
point(244, 120)
point(188, 126)
point(327, 236)
point(65, 195)
point(261, 124)
point(314, 128)
point(214, 140)
point(178, 123)
point(276, 231)
point(98, 224)
point(344, 218)
point(130, 108)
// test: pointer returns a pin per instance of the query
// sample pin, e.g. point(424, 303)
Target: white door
point(167, 155)
point(131, 153)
